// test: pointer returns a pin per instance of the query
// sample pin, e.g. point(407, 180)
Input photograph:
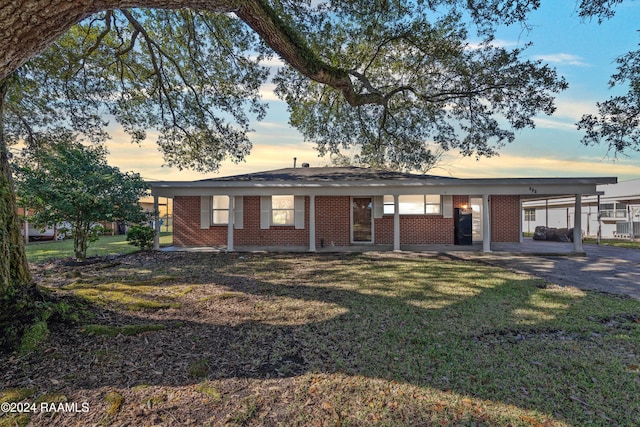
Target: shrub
point(141, 236)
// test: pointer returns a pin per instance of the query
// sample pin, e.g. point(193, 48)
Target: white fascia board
point(586, 200)
point(510, 186)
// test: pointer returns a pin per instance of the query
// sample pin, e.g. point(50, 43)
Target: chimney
point(294, 162)
point(305, 165)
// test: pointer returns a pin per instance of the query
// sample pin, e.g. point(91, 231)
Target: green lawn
point(106, 245)
point(620, 243)
point(339, 339)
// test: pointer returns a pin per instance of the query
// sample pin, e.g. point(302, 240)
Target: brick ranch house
point(322, 207)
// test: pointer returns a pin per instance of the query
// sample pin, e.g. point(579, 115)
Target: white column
point(312, 223)
point(486, 224)
point(599, 222)
point(521, 221)
point(577, 225)
point(156, 224)
point(396, 223)
point(230, 225)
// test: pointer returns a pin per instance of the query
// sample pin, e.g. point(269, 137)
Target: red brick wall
point(252, 235)
point(333, 224)
point(187, 232)
point(333, 220)
point(505, 218)
point(383, 230)
point(186, 225)
point(419, 229)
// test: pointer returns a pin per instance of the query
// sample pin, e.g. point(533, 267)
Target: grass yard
point(329, 339)
point(107, 245)
point(620, 243)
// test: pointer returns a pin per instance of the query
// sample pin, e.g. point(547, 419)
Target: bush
point(141, 236)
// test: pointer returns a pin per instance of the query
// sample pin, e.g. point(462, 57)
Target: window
point(613, 210)
point(388, 205)
point(220, 210)
point(530, 214)
point(282, 210)
point(430, 204)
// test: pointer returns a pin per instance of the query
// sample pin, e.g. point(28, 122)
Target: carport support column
point(156, 223)
point(396, 223)
point(486, 224)
point(577, 225)
point(312, 223)
point(230, 225)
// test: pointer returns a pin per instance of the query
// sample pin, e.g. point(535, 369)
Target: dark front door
point(362, 229)
point(463, 226)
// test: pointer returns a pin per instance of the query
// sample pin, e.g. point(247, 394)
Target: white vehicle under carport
point(60, 232)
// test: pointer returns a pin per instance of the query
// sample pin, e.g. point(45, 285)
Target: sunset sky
point(583, 52)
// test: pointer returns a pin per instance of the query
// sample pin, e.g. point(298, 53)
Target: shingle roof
point(325, 174)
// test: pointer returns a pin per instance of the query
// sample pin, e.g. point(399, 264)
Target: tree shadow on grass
point(462, 328)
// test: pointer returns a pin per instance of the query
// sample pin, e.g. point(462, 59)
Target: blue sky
point(583, 52)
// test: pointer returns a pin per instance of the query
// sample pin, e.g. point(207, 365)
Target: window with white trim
point(220, 210)
point(432, 204)
point(282, 210)
point(530, 214)
point(429, 204)
point(613, 210)
point(389, 207)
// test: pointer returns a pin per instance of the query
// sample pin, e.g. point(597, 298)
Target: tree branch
point(292, 49)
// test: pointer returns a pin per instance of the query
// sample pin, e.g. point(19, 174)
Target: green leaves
point(419, 85)
point(63, 180)
point(194, 77)
point(618, 120)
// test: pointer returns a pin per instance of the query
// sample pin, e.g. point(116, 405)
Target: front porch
point(527, 246)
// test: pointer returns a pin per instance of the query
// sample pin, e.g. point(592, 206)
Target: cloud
point(147, 160)
point(574, 109)
point(508, 165)
point(499, 43)
point(567, 114)
point(563, 59)
point(554, 123)
point(267, 92)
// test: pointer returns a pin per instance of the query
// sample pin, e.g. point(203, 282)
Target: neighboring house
point(313, 208)
point(165, 210)
point(615, 212)
point(33, 233)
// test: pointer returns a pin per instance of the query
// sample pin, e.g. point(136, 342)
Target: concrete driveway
point(604, 268)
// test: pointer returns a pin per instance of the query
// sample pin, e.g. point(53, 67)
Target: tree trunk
point(14, 268)
point(80, 236)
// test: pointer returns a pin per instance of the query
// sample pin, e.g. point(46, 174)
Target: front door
point(362, 226)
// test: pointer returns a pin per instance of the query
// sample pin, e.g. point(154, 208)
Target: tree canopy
point(192, 77)
point(394, 80)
